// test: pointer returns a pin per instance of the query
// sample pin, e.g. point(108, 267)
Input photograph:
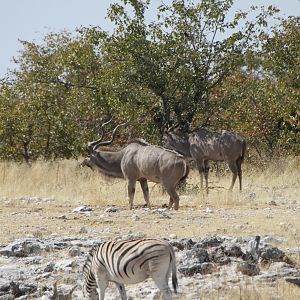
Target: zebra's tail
point(174, 276)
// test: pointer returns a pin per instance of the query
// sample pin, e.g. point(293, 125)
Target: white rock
point(82, 209)
point(209, 210)
point(111, 209)
point(135, 217)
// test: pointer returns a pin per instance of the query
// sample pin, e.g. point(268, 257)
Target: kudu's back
point(153, 163)
point(217, 145)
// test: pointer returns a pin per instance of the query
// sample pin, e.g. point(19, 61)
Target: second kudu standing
point(139, 161)
point(204, 145)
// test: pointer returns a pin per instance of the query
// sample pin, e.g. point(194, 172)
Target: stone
point(134, 236)
point(49, 267)
point(209, 242)
point(191, 269)
point(64, 264)
point(173, 236)
point(217, 256)
point(135, 217)
point(187, 243)
point(83, 230)
point(208, 210)
point(4, 285)
point(247, 268)
point(74, 251)
point(111, 209)
point(81, 209)
point(270, 253)
point(7, 297)
point(23, 247)
point(272, 240)
point(232, 249)
point(197, 254)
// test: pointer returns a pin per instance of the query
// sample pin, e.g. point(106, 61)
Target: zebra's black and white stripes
point(126, 262)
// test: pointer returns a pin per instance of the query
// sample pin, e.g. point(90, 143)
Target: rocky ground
point(222, 253)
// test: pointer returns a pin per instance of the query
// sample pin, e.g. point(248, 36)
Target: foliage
point(264, 98)
point(191, 65)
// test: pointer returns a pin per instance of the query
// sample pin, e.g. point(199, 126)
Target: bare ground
point(39, 201)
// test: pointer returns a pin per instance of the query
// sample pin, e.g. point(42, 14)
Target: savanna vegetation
point(192, 64)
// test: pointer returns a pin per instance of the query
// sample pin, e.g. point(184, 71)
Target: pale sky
point(30, 20)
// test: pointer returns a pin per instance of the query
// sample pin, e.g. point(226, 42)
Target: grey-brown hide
point(204, 145)
point(139, 161)
point(143, 162)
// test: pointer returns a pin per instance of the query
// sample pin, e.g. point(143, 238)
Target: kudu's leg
point(200, 169)
point(131, 191)
point(239, 171)
point(145, 189)
point(206, 170)
point(171, 202)
point(234, 169)
point(174, 198)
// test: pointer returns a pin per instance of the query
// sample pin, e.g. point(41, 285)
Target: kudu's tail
point(186, 173)
point(243, 152)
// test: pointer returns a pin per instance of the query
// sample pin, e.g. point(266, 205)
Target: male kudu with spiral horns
point(139, 161)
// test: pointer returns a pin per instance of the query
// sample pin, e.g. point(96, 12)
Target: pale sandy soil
point(268, 206)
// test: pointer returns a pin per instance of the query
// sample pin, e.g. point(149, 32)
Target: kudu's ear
point(166, 131)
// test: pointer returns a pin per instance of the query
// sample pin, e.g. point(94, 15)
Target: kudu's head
point(176, 139)
point(92, 159)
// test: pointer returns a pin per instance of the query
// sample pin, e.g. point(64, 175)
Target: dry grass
point(268, 205)
point(66, 182)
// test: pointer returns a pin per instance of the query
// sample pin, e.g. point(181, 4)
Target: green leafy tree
point(262, 99)
point(182, 56)
point(55, 97)
point(191, 64)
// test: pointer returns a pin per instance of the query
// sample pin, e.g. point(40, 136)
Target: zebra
point(129, 262)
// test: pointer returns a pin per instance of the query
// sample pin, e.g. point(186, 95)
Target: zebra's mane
point(91, 253)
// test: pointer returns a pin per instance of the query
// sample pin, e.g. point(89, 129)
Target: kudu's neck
point(108, 163)
point(183, 147)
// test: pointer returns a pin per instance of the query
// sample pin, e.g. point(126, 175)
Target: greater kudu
point(204, 145)
point(139, 161)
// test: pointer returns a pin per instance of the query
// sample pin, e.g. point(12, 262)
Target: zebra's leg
point(161, 280)
point(131, 191)
point(122, 291)
point(234, 169)
point(102, 284)
point(145, 189)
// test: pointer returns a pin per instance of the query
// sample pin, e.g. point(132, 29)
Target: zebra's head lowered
point(89, 287)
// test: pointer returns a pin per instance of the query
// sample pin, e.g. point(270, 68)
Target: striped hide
point(129, 262)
